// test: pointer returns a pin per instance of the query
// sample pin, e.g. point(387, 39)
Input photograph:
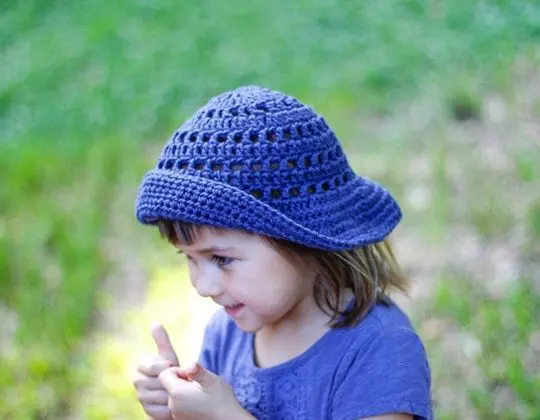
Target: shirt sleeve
point(389, 374)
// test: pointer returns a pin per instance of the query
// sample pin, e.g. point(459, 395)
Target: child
point(276, 227)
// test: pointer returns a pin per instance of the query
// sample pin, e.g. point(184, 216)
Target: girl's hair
point(370, 272)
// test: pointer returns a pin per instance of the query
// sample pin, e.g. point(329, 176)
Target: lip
point(235, 311)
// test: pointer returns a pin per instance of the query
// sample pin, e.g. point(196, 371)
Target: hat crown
point(261, 161)
point(260, 141)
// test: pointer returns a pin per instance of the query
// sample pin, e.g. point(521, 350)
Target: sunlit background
point(438, 100)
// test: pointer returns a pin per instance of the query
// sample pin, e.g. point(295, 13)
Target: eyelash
point(221, 261)
point(218, 259)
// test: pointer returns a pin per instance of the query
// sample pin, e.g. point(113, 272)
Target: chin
point(249, 327)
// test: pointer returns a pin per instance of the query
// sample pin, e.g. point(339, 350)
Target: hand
point(152, 395)
point(196, 393)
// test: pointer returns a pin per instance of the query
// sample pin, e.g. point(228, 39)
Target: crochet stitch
point(259, 160)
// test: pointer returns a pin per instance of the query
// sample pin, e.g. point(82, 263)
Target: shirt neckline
point(298, 360)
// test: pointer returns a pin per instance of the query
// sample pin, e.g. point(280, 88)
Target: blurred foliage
point(87, 87)
point(79, 70)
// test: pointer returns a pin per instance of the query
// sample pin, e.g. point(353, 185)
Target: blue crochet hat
point(261, 161)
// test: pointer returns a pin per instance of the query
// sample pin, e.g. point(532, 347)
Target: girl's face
point(255, 284)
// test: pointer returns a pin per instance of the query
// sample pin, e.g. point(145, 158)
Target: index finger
point(164, 345)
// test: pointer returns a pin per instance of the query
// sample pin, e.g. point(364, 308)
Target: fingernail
point(194, 371)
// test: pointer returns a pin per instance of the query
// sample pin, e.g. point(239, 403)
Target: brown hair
point(370, 272)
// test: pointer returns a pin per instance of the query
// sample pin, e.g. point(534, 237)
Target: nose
point(208, 283)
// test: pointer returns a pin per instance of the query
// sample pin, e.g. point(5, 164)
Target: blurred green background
point(438, 100)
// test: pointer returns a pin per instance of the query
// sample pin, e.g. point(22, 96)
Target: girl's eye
point(221, 261)
point(185, 255)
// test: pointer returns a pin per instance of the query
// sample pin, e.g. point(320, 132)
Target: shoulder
point(221, 327)
point(219, 321)
point(389, 315)
point(386, 368)
point(383, 321)
point(221, 339)
point(387, 332)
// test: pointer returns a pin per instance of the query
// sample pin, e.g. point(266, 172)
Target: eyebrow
point(212, 249)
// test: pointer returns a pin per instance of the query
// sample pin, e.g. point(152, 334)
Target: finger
point(164, 345)
point(154, 397)
point(142, 382)
point(158, 411)
point(204, 377)
point(153, 368)
point(170, 379)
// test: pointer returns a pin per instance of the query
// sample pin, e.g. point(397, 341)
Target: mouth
point(234, 310)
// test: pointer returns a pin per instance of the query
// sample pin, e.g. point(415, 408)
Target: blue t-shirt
point(376, 367)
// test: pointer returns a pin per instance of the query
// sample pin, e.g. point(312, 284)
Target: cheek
point(193, 272)
point(269, 290)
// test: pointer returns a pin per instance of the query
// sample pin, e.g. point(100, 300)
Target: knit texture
point(261, 161)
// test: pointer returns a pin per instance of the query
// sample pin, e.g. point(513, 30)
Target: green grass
point(81, 70)
point(87, 89)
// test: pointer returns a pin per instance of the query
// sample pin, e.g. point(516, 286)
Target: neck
point(293, 334)
point(304, 316)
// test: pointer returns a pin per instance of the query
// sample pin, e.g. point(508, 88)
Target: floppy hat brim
point(372, 212)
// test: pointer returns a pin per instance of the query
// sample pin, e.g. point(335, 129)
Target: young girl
point(255, 190)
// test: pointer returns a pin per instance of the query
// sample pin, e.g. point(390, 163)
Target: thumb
point(199, 374)
point(164, 345)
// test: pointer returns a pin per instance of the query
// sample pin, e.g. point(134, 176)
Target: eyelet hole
point(287, 134)
point(276, 194)
point(256, 193)
point(271, 136)
point(261, 106)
